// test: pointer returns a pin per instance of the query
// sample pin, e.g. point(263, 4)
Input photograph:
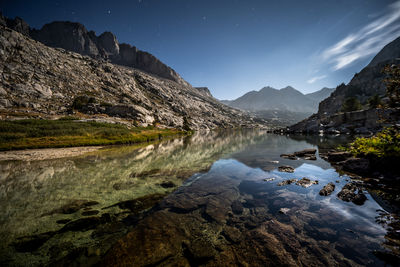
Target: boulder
point(357, 165)
point(338, 156)
point(306, 182)
point(327, 189)
point(285, 169)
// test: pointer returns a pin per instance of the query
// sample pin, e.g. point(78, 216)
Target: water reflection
point(229, 212)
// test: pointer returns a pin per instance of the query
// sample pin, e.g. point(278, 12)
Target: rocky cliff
point(368, 82)
point(74, 37)
point(37, 80)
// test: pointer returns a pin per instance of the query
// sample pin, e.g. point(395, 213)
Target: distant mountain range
point(280, 106)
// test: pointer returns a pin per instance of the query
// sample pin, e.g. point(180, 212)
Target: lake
point(208, 199)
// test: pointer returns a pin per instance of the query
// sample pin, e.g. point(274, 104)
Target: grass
point(67, 132)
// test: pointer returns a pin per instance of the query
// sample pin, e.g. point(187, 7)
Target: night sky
point(235, 46)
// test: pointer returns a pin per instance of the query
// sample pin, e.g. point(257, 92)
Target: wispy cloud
point(314, 79)
point(367, 41)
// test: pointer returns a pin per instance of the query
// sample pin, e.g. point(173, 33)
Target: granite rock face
point(41, 81)
point(73, 36)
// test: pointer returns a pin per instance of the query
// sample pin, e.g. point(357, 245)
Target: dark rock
point(63, 221)
point(232, 234)
point(359, 199)
point(305, 152)
point(237, 207)
point(357, 165)
point(32, 243)
point(348, 192)
point(305, 182)
point(286, 169)
point(286, 182)
point(90, 213)
point(327, 189)
point(201, 250)
point(72, 207)
point(82, 225)
point(139, 204)
point(338, 156)
point(288, 156)
point(309, 157)
point(167, 184)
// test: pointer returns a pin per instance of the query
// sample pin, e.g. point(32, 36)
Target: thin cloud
point(367, 41)
point(314, 79)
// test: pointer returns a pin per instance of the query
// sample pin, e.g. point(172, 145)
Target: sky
point(236, 46)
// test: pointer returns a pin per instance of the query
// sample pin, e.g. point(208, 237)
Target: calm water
point(201, 200)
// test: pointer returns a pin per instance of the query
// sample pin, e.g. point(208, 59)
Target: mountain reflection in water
point(207, 199)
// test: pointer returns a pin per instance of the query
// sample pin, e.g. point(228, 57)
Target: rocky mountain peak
point(73, 36)
point(108, 41)
point(390, 52)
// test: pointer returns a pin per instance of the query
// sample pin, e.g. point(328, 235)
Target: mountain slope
point(368, 82)
point(321, 94)
point(74, 37)
point(37, 80)
point(268, 98)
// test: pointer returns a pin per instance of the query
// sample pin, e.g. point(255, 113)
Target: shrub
point(351, 104)
point(374, 101)
point(384, 144)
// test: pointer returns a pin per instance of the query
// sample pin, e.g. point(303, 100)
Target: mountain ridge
point(39, 81)
point(267, 99)
point(73, 36)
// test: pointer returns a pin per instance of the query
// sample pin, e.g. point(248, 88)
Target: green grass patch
point(384, 144)
point(66, 132)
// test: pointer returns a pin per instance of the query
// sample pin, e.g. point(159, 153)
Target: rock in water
point(302, 153)
point(305, 182)
point(286, 169)
point(348, 193)
point(286, 182)
point(327, 189)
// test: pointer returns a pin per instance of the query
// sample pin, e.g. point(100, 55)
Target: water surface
point(188, 201)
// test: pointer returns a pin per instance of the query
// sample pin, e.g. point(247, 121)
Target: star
point(204, 17)
point(109, 11)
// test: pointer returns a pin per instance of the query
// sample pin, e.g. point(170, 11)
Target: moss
point(34, 133)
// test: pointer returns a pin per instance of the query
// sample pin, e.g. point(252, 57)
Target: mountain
point(41, 81)
point(368, 82)
point(280, 106)
point(74, 37)
point(320, 94)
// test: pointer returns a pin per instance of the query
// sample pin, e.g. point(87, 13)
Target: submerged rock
point(327, 189)
point(286, 169)
point(286, 182)
point(306, 182)
point(72, 207)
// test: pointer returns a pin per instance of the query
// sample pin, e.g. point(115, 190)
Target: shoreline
point(46, 153)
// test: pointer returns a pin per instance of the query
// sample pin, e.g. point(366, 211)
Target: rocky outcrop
point(368, 82)
point(39, 81)
point(74, 37)
point(327, 189)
